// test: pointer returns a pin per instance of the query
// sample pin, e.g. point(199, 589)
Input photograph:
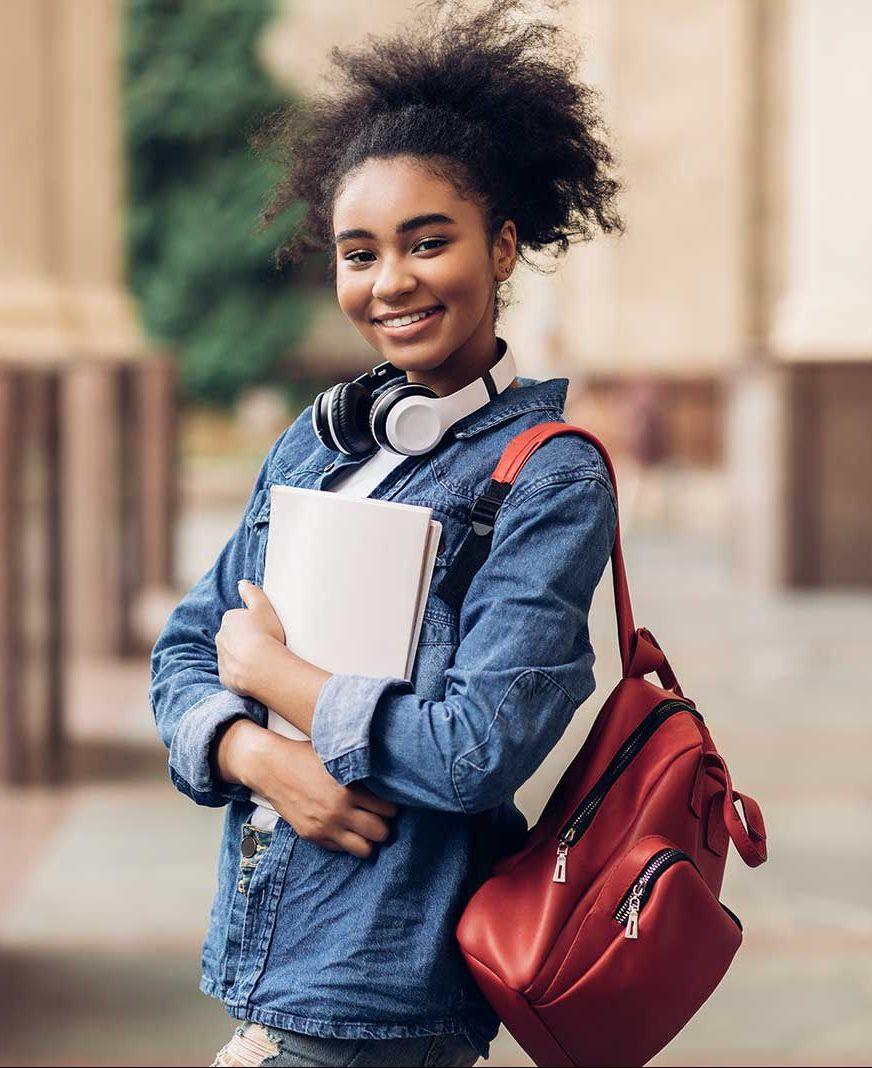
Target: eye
point(431, 240)
point(351, 255)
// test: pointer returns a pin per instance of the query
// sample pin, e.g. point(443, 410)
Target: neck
point(463, 366)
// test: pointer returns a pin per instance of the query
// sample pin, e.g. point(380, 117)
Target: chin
point(407, 360)
point(410, 364)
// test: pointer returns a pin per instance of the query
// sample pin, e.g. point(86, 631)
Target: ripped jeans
point(254, 1044)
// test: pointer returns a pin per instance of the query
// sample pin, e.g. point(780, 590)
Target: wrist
point(234, 751)
point(267, 659)
point(257, 750)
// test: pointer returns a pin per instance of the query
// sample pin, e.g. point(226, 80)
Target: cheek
point(461, 281)
point(352, 296)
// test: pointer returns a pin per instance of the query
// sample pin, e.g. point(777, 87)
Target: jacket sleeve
point(189, 703)
point(523, 665)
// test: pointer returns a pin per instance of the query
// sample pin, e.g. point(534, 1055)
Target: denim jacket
point(330, 944)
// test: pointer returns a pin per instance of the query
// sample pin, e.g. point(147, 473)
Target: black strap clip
point(487, 505)
point(476, 545)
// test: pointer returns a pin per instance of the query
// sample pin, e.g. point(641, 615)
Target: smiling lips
point(411, 323)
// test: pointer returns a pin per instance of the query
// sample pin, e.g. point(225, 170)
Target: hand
point(241, 639)
point(349, 818)
point(292, 778)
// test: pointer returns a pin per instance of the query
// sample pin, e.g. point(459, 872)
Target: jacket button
point(249, 846)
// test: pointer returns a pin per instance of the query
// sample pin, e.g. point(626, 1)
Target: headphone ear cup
point(380, 411)
point(320, 423)
point(351, 408)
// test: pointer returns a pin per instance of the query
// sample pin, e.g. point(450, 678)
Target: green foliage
point(204, 280)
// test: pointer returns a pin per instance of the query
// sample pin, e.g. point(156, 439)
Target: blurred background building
point(150, 354)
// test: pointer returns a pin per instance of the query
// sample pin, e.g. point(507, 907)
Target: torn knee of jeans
point(250, 1046)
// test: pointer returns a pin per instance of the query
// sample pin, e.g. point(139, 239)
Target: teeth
point(405, 320)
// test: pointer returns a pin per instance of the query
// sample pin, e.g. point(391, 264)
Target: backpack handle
point(648, 656)
point(750, 843)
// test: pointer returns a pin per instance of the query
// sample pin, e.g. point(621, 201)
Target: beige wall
point(823, 310)
point(669, 295)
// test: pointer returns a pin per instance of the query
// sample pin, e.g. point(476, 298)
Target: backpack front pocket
point(654, 945)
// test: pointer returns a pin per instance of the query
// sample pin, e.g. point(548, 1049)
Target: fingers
point(346, 843)
point(366, 799)
point(368, 825)
point(354, 844)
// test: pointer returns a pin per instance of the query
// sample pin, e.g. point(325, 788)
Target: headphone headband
point(381, 373)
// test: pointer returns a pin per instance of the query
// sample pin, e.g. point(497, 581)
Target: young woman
point(449, 150)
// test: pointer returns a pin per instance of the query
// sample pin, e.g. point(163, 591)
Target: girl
point(448, 150)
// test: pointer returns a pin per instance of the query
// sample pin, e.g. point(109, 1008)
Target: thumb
point(251, 595)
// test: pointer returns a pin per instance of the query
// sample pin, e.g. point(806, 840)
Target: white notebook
point(348, 579)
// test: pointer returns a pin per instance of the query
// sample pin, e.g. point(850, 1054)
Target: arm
point(190, 705)
point(289, 773)
point(523, 666)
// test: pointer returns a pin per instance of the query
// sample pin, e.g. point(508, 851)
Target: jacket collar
point(528, 396)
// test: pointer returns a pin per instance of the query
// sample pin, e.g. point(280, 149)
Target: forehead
point(382, 192)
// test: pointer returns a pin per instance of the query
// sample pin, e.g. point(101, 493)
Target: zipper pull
point(632, 930)
point(560, 866)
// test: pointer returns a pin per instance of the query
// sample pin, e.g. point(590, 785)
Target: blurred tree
point(204, 280)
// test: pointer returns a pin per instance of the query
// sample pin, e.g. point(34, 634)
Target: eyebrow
point(402, 228)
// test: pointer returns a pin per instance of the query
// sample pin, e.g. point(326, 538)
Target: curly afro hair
point(487, 103)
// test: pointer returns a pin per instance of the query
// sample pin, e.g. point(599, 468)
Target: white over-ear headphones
point(407, 418)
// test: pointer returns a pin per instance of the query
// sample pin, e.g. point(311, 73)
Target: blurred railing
point(78, 513)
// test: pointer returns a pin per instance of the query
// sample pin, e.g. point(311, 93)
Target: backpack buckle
point(484, 512)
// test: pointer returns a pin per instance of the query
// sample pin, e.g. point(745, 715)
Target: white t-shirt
point(359, 480)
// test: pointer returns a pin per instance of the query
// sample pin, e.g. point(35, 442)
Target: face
point(406, 241)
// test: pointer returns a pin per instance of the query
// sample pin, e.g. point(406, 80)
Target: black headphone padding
point(350, 413)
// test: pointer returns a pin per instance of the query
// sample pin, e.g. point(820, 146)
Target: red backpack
point(598, 940)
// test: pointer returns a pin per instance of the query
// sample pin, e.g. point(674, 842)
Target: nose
point(393, 281)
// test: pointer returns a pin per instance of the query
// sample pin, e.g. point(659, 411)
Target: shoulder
point(567, 459)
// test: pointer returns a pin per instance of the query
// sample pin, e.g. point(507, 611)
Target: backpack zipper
point(590, 803)
point(628, 910)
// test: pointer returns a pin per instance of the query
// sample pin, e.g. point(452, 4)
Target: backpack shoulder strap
point(636, 650)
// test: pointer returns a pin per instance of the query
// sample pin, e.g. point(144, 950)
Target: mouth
point(412, 329)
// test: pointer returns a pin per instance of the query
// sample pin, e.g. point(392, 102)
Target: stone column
point(758, 396)
point(800, 413)
point(62, 297)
